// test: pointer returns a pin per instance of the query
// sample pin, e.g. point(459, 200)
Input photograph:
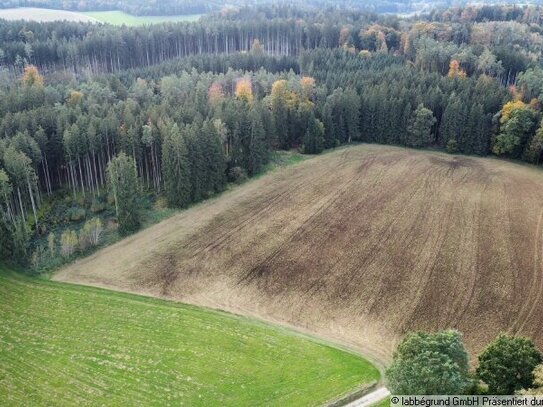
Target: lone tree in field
point(420, 127)
point(123, 181)
point(507, 364)
point(429, 363)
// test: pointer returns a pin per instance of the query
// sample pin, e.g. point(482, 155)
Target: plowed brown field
point(360, 245)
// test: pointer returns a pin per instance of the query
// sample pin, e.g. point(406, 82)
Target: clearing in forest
point(66, 345)
point(120, 18)
point(359, 245)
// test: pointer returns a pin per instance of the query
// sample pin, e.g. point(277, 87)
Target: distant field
point(66, 345)
point(43, 15)
point(110, 17)
point(120, 18)
point(361, 245)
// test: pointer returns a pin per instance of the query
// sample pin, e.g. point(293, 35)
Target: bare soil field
point(360, 245)
point(44, 15)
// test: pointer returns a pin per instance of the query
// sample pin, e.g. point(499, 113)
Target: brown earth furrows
point(359, 245)
point(307, 225)
point(536, 288)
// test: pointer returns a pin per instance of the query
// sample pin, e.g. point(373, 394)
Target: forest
point(98, 122)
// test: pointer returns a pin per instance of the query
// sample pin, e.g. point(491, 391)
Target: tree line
point(501, 47)
point(189, 126)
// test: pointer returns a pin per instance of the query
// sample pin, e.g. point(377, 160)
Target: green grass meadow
point(120, 18)
point(383, 403)
point(67, 345)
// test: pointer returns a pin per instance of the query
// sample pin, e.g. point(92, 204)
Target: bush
point(91, 232)
point(97, 206)
point(237, 175)
point(452, 146)
point(38, 257)
point(76, 214)
point(427, 363)
point(52, 244)
point(68, 243)
point(507, 364)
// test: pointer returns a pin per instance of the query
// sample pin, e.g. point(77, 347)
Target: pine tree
point(123, 182)
point(176, 168)
point(258, 152)
point(214, 158)
point(195, 153)
point(280, 113)
point(6, 239)
point(314, 136)
point(420, 127)
point(452, 121)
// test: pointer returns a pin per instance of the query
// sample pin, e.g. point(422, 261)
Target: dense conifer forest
point(96, 121)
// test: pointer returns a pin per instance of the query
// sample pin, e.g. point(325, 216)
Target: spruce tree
point(258, 152)
point(195, 152)
point(176, 168)
point(6, 239)
point(123, 182)
point(314, 136)
point(420, 127)
point(214, 158)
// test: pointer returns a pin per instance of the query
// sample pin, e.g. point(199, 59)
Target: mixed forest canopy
point(96, 119)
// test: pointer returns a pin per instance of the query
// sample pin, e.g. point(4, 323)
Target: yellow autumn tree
point(535, 104)
point(279, 94)
point(74, 98)
point(509, 108)
point(308, 86)
point(455, 71)
point(244, 90)
point(32, 77)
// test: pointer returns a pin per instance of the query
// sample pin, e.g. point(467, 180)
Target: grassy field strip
point(120, 18)
point(44, 15)
point(72, 345)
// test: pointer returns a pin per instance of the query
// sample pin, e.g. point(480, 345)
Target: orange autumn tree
point(32, 77)
point(344, 35)
point(308, 86)
point(215, 94)
point(244, 90)
point(455, 71)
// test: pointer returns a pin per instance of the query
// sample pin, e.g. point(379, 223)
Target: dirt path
point(371, 398)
